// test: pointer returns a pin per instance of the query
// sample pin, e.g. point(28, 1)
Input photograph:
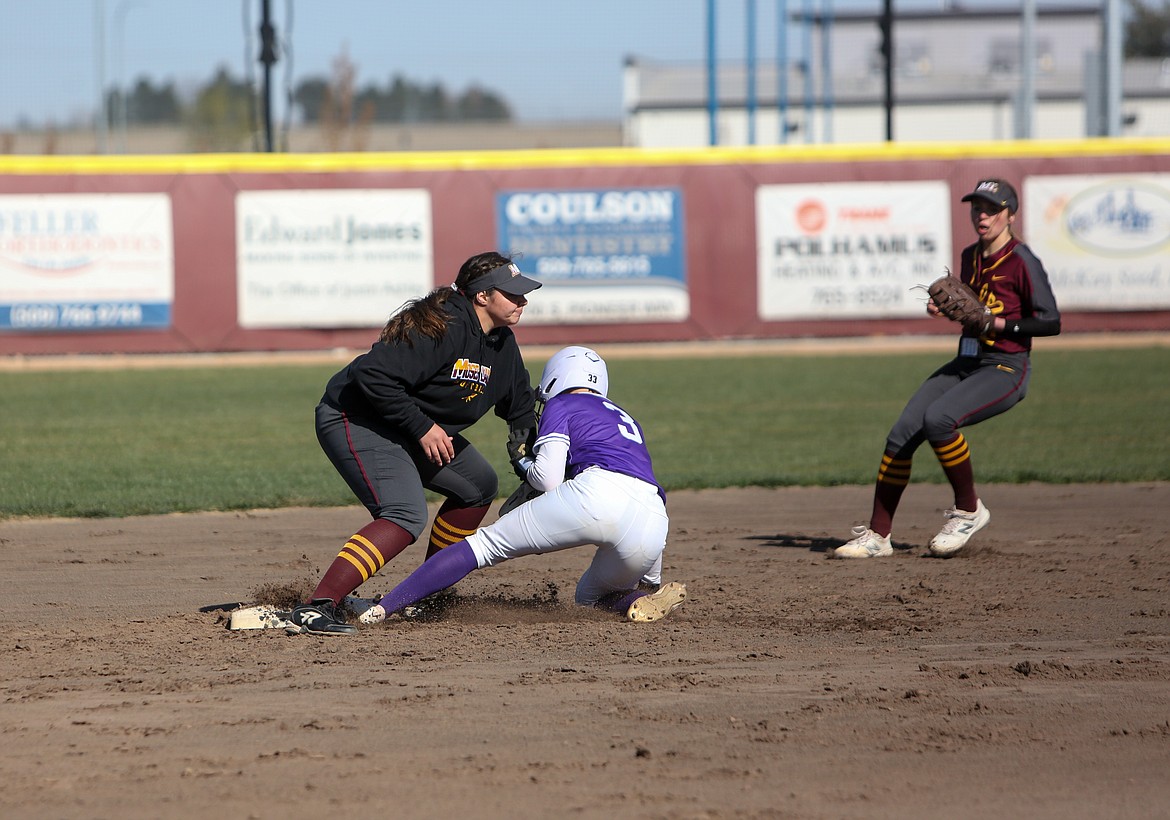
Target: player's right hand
point(438, 447)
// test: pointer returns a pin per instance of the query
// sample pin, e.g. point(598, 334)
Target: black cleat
point(320, 616)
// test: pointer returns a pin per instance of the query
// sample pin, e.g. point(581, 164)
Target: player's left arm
point(1044, 318)
point(536, 469)
point(547, 471)
point(517, 406)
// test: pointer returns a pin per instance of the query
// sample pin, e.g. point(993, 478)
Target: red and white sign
point(849, 249)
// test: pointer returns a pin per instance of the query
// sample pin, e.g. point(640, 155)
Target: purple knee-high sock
point(445, 568)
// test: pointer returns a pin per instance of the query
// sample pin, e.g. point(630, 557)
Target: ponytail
point(427, 316)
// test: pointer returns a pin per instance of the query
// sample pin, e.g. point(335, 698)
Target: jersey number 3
point(630, 427)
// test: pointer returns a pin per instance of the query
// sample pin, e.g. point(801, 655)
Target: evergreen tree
point(152, 104)
point(221, 116)
point(401, 100)
point(1147, 33)
point(478, 104)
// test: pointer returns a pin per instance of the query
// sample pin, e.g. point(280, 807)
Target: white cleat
point(373, 615)
point(958, 530)
point(865, 544)
point(657, 605)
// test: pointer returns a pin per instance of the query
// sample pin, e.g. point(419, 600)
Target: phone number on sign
point(873, 296)
point(584, 267)
point(75, 316)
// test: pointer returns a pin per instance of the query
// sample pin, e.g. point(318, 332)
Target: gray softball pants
point(389, 474)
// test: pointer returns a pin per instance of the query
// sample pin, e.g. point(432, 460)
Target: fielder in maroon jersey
point(989, 376)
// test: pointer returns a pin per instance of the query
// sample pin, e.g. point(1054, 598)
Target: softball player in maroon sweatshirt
point(989, 376)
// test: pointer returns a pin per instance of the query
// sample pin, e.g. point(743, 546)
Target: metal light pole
point(1113, 67)
point(268, 58)
point(1027, 102)
point(751, 72)
point(827, 70)
point(121, 12)
point(806, 39)
point(886, 24)
point(782, 69)
point(712, 81)
point(99, 47)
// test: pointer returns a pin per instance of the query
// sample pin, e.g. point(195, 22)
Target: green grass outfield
point(142, 441)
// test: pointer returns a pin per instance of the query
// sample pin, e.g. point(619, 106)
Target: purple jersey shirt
point(600, 434)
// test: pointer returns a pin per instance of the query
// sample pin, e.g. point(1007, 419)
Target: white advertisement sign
point(85, 262)
point(850, 249)
point(331, 258)
point(1102, 239)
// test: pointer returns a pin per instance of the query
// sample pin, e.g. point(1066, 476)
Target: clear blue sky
point(550, 59)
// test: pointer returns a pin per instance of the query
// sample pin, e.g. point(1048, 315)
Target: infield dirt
point(1027, 677)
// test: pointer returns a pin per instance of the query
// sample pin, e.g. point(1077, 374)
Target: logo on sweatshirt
point(466, 370)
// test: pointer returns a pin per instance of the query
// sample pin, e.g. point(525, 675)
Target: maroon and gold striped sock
point(955, 458)
point(892, 478)
point(454, 523)
point(366, 552)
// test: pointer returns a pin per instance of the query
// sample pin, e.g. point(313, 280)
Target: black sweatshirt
point(452, 382)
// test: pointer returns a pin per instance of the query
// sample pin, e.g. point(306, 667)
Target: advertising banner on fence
point(615, 255)
point(1104, 240)
point(82, 262)
point(336, 259)
point(850, 249)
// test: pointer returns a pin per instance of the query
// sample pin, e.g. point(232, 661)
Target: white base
point(264, 616)
point(258, 617)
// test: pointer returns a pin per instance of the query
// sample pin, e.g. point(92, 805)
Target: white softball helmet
point(570, 368)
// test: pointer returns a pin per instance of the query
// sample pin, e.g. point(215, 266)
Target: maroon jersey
point(1015, 286)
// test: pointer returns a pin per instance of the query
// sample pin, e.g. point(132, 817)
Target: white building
point(956, 76)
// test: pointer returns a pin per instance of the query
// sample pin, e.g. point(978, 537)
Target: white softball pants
point(623, 516)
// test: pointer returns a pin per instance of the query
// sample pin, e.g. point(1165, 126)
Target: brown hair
point(426, 316)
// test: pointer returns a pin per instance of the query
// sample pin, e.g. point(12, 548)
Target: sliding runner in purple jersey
point(597, 487)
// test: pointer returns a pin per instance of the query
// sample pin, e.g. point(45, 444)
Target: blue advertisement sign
point(602, 254)
point(85, 316)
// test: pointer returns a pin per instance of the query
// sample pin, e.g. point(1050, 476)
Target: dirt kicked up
point(1027, 677)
